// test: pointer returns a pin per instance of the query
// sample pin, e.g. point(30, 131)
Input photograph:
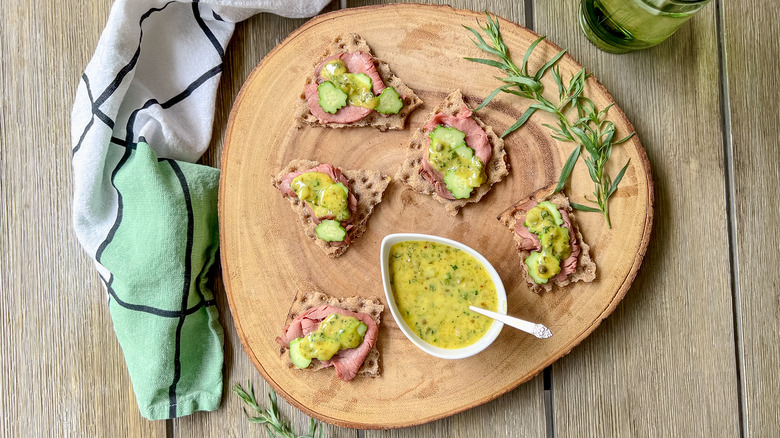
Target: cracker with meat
point(417, 172)
point(366, 188)
point(576, 267)
point(355, 52)
point(310, 308)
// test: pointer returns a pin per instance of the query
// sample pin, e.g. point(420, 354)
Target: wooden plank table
point(691, 351)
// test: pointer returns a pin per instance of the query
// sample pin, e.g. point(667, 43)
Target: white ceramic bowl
point(444, 353)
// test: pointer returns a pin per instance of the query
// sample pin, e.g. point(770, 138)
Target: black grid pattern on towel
point(129, 143)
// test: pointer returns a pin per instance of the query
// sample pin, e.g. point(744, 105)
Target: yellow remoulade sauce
point(336, 332)
point(433, 286)
point(357, 86)
point(325, 196)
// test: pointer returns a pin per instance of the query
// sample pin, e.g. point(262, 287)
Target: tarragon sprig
point(275, 426)
point(587, 126)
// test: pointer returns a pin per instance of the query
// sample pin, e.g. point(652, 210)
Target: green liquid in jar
point(619, 26)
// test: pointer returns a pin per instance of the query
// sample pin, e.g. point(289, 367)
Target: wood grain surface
point(260, 238)
point(683, 319)
point(665, 363)
point(62, 372)
point(752, 53)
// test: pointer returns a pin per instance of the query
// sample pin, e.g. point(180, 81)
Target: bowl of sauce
point(430, 282)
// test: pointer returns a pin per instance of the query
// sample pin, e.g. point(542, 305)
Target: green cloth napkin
point(147, 216)
point(160, 256)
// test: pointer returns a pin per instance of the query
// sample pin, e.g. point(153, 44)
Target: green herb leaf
point(590, 129)
point(531, 48)
point(584, 139)
point(275, 427)
point(547, 65)
point(489, 62)
point(619, 177)
point(567, 168)
point(524, 118)
point(523, 80)
point(489, 98)
point(556, 74)
point(564, 135)
point(624, 139)
point(560, 138)
point(603, 113)
point(481, 42)
point(543, 108)
point(476, 34)
point(581, 207)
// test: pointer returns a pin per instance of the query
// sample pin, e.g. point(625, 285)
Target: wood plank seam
point(549, 401)
point(731, 216)
point(547, 395)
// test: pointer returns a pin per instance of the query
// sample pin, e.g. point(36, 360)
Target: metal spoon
point(537, 330)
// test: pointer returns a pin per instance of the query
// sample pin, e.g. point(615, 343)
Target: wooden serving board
point(266, 258)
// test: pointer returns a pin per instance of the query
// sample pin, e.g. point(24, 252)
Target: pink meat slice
point(347, 362)
point(476, 139)
point(347, 114)
point(435, 178)
point(333, 172)
point(530, 241)
point(359, 62)
point(356, 62)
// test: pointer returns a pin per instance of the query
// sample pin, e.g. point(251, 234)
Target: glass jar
point(620, 26)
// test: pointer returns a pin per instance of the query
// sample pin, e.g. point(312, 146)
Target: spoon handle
point(537, 330)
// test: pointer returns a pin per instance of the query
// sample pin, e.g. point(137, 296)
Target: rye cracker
point(367, 186)
point(586, 267)
point(409, 172)
point(371, 306)
point(349, 43)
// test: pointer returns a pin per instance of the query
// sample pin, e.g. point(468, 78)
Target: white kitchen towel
point(143, 113)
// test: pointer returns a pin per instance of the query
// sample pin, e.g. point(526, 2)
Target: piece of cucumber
point(331, 97)
point(451, 138)
point(389, 102)
point(556, 239)
point(296, 356)
point(553, 210)
point(360, 90)
point(464, 151)
point(458, 185)
point(542, 266)
point(331, 231)
point(545, 214)
point(361, 81)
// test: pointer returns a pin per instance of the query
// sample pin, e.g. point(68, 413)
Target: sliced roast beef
point(356, 62)
point(476, 139)
point(435, 178)
point(528, 240)
point(347, 362)
point(347, 114)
